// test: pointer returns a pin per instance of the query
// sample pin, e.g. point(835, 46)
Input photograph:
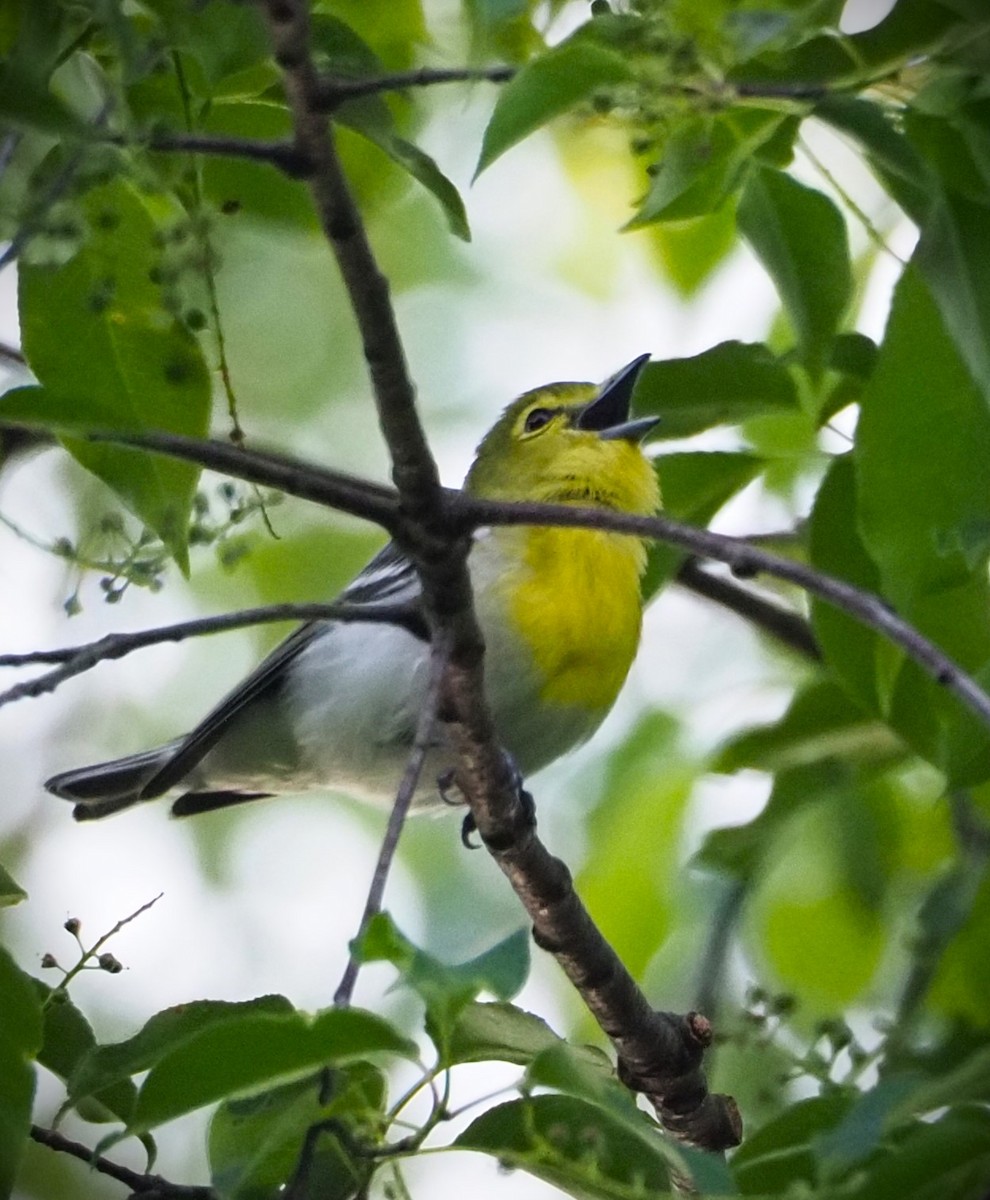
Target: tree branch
point(659, 1055)
point(281, 154)
point(463, 513)
point(333, 489)
point(745, 560)
point(333, 90)
point(75, 660)
point(153, 1187)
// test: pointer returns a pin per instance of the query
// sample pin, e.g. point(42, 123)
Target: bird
point(335, 706)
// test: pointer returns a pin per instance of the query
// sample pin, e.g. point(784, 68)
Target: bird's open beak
point(608, 414)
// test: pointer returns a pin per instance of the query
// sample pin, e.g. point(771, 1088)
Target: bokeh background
point(265, 899)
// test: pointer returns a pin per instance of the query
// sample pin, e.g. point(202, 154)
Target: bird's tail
point(108, 787)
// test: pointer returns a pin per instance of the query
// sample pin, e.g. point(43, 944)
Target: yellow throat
point(572, 595)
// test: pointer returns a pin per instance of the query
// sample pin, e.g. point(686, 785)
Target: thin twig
point(75, 660)
point(280, 154)
point(153, 1187)
point(333, 489)
point(333, 90)
point(422, 744)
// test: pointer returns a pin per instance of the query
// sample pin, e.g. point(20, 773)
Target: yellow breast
point(575, 602)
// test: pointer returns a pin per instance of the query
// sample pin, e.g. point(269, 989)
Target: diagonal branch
point(439, 550)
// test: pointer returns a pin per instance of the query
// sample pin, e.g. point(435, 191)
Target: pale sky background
point(298, 871)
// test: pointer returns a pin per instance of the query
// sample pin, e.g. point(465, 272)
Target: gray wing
point(388, 579)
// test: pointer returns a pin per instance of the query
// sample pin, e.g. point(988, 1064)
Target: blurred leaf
point(255, 189)
point(911, 28)
point(255, 1143)
point(694, 487)
point(109, 356)
point(953, 254)
point(742, 850)
point(68, 1037)
point(780, 1154)
point(634, 832)
point(949, 1157)
point(821, 939)
point(800, 237)
point(968, 1082)
point(893, 158)
point(703, 163)
point(11, 891)
point(253, 1050)
point(223, 40)
point(865, 1123)
point(20, 1040)
point(161, 1034)
point(961, 987)
point(721, 386)
point(691, 250)
point(821, 722)
point(545, 88)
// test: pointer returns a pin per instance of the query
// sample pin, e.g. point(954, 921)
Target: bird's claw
point(526, 802)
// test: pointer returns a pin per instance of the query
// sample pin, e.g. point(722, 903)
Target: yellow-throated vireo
point(336, 704)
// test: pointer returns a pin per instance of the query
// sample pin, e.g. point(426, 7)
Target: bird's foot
point(526, 802)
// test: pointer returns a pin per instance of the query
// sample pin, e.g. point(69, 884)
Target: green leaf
point(890, 154)
point(634, 832)
point(68, 1038)
point(108, 355)
point(257, 1050)
point(161, 1035)
point(953, 254)
point(20, 1040)
point(545, 88)
point(821, 722)
point(586, 1074)
point(949, 1157)
point(255, 1143)
point(690, 250)
point(694, 487)
point(725, 385)
point(856, 652)
point(446, 989)
point(11, 891)
point(800, 237)
point(865, 1123)
point(703, 163)
point(742, 850)
point(779, 1155)
point(496, 1031)
point(572, 1145)
point(923, 486)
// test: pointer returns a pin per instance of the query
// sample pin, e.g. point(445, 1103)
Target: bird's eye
point(537, 419)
